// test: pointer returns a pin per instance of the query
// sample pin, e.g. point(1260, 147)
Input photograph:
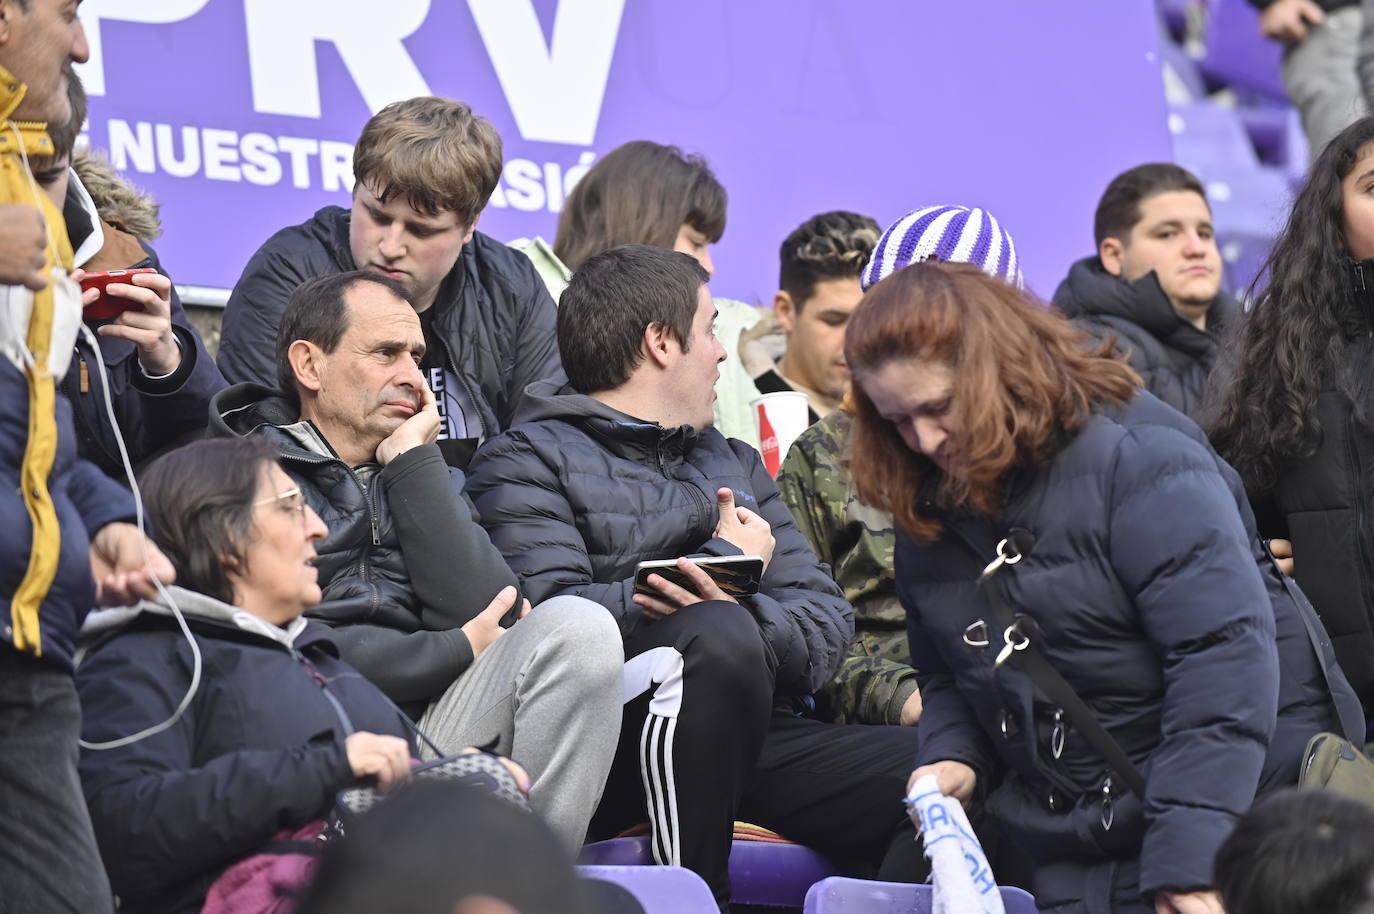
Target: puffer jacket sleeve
point(520, 498)
point(162, 815)
point(536, 343)
point(948, 729)
point(98, 498)
point(799, 607)
point(454, 569)
point(1180, 551)
point(175, 406)
point(247, 348)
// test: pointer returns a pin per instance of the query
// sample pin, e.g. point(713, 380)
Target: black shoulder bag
point(1019, 633)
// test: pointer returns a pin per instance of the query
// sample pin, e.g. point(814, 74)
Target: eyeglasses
point(290, 500)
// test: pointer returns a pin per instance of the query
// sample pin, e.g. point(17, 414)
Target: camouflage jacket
point(856, 541)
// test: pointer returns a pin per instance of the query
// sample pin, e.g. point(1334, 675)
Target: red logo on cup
point(768, 443)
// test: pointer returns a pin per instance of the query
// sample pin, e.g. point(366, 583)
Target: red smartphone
point(108, 307)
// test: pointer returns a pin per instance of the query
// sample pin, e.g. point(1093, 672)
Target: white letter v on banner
point(554, 91)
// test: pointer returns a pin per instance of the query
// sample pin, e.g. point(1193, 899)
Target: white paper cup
point(780, 418)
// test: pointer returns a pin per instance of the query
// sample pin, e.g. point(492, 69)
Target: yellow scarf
point(19, 138)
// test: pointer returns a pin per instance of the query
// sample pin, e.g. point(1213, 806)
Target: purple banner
point(239, 115)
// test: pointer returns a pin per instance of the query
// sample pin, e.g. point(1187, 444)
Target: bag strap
point(414, 727)
point(1349, 725)
point(1019, 633)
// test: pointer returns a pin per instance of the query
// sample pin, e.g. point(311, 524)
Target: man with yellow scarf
point(64, 538)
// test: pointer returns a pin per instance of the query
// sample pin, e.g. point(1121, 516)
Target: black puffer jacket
point(577, 494)
point(1157, 603)
point(1174, 358)
point(493, 313)
point(405, 563)
point(1325, 504)
point(259, 750)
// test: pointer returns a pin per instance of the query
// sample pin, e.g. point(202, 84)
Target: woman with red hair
point(989, 426)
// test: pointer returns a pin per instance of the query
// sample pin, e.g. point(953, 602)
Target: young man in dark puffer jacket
point(1155, 283)
point(623, 466)
point(425, 168)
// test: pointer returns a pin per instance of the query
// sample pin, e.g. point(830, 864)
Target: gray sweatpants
point(1319, 74)
point(546, 694)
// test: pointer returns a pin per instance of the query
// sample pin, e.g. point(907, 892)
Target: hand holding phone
point(106, 306)
point(664, 587)
point(137, 306)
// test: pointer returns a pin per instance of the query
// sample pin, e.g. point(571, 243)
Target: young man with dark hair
point(818, 288)
point(419, 599)
point(623, 466)
point(1155, 282)
point(1298, 851)
point(425, 168)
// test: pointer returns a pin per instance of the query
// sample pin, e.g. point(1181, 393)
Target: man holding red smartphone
point(160, 376)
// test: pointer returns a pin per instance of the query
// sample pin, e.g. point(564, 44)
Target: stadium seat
point(1184, 67)
point(1237, 54)
point(1276, 131)
point(1174, 16)
point(660, 889)
point(1248, 209)
point(769, 873)
point(1204, 134)
point(839, 895)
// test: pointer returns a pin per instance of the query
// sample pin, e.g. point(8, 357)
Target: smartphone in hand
point(108, 307)
point(737, 575)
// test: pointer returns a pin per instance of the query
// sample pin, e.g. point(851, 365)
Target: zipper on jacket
point(365, 566)
point(373, 509)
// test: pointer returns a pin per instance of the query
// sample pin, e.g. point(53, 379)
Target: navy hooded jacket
point(1174, 358)
point(259, 750)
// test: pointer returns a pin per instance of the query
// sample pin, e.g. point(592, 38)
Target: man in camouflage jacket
point(876, 683)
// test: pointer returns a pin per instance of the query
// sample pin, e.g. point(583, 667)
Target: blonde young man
point(425, 169)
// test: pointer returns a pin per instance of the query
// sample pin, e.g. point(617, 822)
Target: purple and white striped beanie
point(955, 234)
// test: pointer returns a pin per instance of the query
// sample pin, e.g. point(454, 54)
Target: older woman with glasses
point(276, 724)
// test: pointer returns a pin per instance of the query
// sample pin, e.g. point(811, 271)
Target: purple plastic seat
point(1276, 131)
point(660, 889)
point(1238, 54)
point(1174, 15)
point(1182, 66)
point(1249, 205)
point(839, 895)
point(1204, 134)
point(761, 873)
